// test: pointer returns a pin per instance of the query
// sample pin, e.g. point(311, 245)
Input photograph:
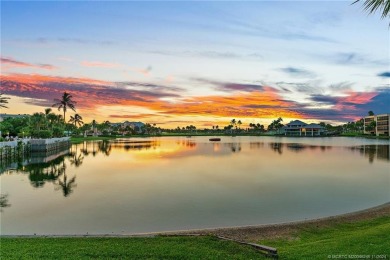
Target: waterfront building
point(380, 127)
point(299, 128)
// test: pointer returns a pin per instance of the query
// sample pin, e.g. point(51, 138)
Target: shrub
point(42, 134)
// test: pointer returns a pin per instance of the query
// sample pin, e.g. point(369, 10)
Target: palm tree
point(373, 5)
point(94, 129)
point(37, 121)
point(232, 123)
point(64, 103)
point(3, 100)
point(47, 111)
point(239, 123)
point(76, 120)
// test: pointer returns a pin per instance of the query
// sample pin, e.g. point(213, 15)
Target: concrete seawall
point(14, 149)
point(48, 145)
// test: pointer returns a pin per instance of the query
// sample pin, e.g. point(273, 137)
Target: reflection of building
point(380, 127)
point(379, 152)
point(299, 128)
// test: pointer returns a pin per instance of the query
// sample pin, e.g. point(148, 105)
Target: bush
point(42, 134)
point(58, 131)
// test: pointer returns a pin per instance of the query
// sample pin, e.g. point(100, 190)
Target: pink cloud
point(8, 63)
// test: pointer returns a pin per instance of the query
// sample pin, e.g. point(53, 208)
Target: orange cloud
point(167, 102)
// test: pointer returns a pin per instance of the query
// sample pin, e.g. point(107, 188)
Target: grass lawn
point(125, 248)
point(369, 237)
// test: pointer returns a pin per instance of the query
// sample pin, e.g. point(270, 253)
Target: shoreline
point(78, 140)
point(247, 233)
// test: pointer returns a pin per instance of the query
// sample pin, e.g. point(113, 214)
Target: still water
point(175, 183)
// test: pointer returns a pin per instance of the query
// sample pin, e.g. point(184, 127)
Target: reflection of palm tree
point(42, 172)
point(4, 201)
point(85, 149)
point(66, 185)
point(277, 147)
point(105, 148)
point(77, 161)
point(93, 149)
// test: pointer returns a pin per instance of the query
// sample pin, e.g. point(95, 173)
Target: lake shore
point(283, 230)
point(254, 232)
point(77, 140)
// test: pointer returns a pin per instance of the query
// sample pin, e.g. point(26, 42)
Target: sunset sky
point(202, 63)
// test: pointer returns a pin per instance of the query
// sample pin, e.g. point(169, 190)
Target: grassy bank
point(368, 237)
point(125, 248)
point(364, 237)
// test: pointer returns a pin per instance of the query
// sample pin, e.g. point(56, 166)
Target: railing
point(13, 143)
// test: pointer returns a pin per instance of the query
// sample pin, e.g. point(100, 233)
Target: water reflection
point(52, 168)
point(135, 145)
point(372, 152)
point(157, 184)
point(4, 202)
point(234, 147)
point(47, 168)
point(296, 147)
point(66, 185)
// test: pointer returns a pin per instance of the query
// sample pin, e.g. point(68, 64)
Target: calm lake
point(175, 183)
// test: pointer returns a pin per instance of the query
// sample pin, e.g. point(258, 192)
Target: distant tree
point(374, 5)
point(370, 113)
point(64, 103)
point(276, 124)
point(239, 123)
point(371, 126)
point(76, 120)
point(3, 101)
point(38, 121)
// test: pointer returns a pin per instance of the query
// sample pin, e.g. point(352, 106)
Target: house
point(299, 128)
point(380, 127)
point(136, 126)
point(4, 116)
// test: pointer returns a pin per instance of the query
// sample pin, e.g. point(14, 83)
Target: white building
point(299, 128)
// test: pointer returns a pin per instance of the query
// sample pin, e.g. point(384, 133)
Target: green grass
point(368, 237)
point(125, 248)
point(359, 238)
